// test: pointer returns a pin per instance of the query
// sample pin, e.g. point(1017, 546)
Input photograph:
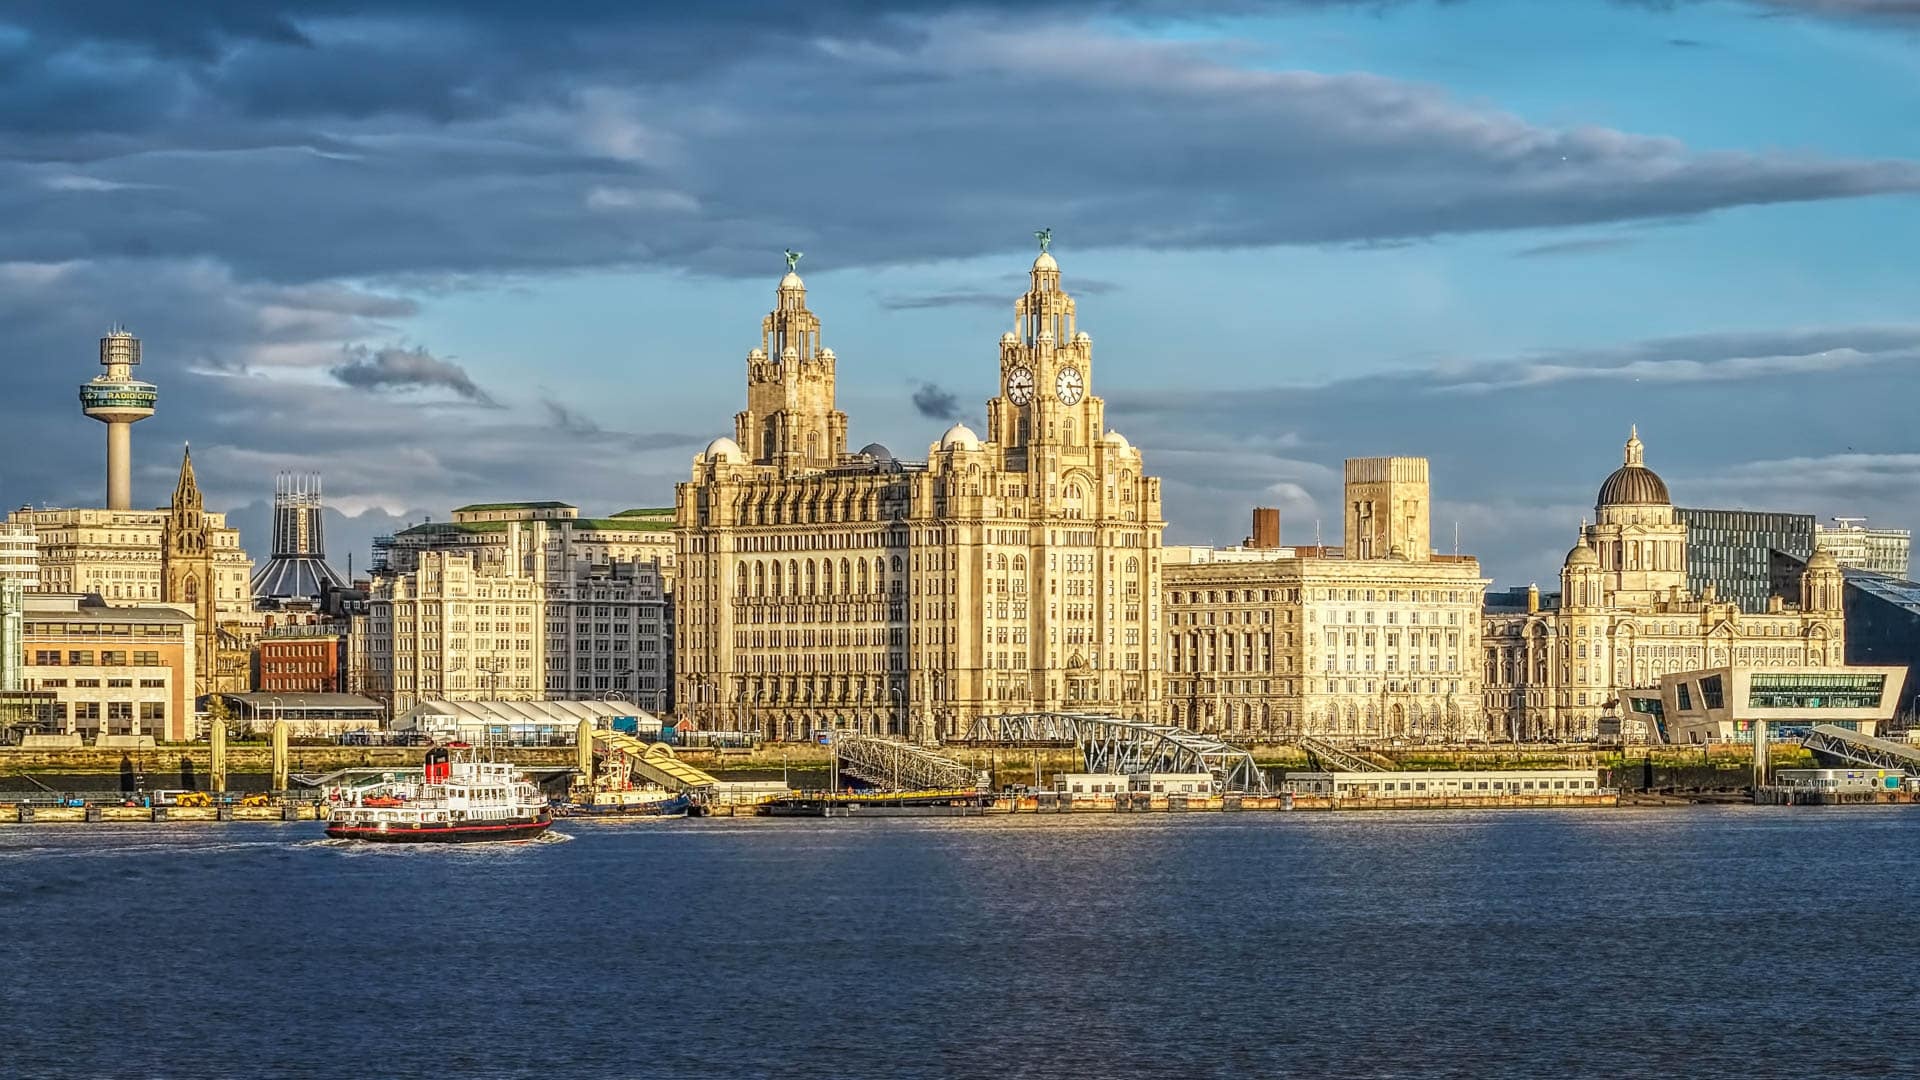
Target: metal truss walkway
point(902, 766)
point(1112, 745)
point(655, 762)
point(1840, 745)
point(1326, 757)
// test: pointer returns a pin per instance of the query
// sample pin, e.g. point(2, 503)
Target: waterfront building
point(301, 658)
point(1522, 785)
point(519, 601)
point(1730, 550)
point(1883, 627)
point(821, 587)
point(117, 399)
point(1377, 639)
point(19, 556)
point(182, 555)
point(114, 670)
point(307, 715)
point(1856, 547)
point(1627, 616)
point(512, 722)
point(297, 573)
point(1726, 703)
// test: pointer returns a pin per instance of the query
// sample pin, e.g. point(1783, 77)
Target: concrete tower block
point(1388, 508)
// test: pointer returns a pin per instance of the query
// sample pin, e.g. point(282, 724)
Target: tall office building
point(1376, 639)
point(1729, 550)
point(819, 587)
point(1856, 547)
point(519, 601)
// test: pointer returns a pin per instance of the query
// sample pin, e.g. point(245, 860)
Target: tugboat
point(457, 799)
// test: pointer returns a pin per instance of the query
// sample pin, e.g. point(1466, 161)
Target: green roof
point(547, 505)
point(624, 524)
point(432, 528)
point(646, 512)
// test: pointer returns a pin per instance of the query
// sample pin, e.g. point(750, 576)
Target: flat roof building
point(1726, 704)
point(1728, 551)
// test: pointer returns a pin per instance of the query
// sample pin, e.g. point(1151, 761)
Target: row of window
point(86, 658)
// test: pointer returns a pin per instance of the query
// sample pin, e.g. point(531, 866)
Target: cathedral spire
point(186, 493)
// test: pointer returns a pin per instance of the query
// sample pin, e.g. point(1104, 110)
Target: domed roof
point(959, 437)
point(877, 452)
point(1582, 555)
point(791, 281)
point(1045, 262)
point(1117, 440)
point(1822, 560)
point(1633, 484)
point(724, 449)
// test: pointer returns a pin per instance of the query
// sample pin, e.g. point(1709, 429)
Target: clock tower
point(1046, 370)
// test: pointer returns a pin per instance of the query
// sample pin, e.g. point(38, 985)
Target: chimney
point(1266, 527)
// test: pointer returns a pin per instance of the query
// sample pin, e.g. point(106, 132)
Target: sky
point(451, 252)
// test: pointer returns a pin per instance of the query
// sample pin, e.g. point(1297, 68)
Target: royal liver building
point(818, 587)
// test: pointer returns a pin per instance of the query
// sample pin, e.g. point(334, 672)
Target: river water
point(1737, 942)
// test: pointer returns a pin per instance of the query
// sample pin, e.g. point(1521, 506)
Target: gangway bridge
point(653, 761)
point(902, 766)
point(1842, 747)
point(1109, 744)
point(1326, 757)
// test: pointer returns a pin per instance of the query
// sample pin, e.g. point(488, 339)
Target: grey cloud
point(1578, 246)
point(396, 368)
point(569, 420)
point(943, 299)
point(934, 403)
point(569, 154)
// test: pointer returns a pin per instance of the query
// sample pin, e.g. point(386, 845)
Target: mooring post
point(217, 756)
point(279, 738)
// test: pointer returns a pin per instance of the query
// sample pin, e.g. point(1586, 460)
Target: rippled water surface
point(1704, 942)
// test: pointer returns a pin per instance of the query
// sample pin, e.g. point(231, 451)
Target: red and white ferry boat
point(457, 799)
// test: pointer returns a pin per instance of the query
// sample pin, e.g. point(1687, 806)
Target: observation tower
point(117, 399)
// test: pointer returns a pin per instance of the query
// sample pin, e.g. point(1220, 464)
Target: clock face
point(1020, 385)
point(1069, 386)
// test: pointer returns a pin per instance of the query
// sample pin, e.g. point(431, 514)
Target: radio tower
point(118, 400)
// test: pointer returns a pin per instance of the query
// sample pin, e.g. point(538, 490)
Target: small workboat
point(456, 798)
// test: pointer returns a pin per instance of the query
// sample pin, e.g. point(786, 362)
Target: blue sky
point(452, 252)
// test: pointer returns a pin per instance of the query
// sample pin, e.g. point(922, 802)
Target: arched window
point(774, 584)
point(793, 578)
point(812, 582)
point(740, 581)
point(865, 586)
point(759, 579)
point(826, 577)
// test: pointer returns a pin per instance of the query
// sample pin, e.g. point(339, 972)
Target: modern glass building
point(1726, 704)
point(1883, 626)
point(1728, 549)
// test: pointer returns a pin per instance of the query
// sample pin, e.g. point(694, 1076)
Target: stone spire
point(186, 493)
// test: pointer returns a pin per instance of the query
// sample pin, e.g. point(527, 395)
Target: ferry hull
point(403, 833)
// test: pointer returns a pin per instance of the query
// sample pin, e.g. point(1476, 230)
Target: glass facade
point(1815, 691)
point(1729, 549)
